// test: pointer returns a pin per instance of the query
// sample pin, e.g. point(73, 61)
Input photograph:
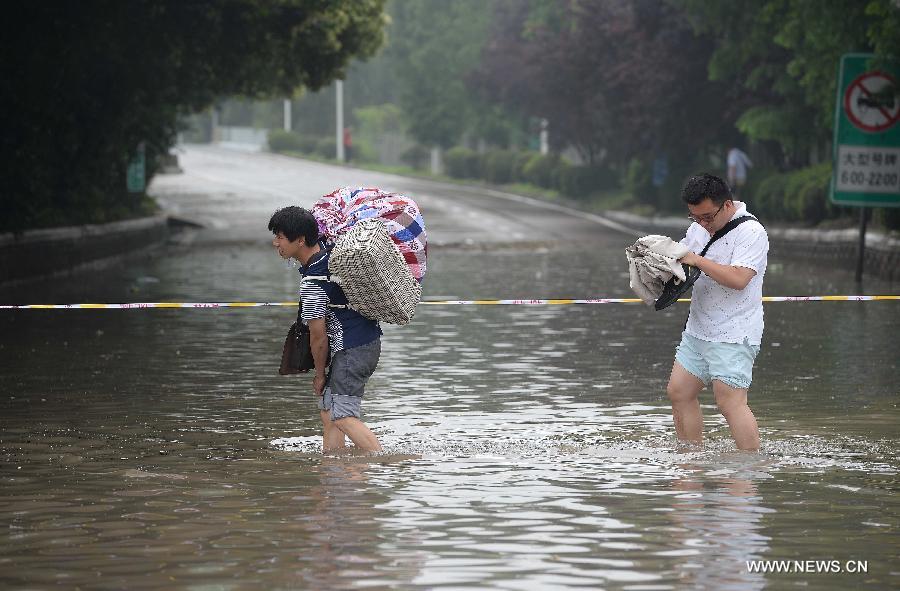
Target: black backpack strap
point(726, 229)
point(331, 279)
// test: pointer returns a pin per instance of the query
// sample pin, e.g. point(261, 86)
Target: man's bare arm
point(318, 342)
point(726, 275)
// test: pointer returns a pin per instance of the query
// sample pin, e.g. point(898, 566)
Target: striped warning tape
point(843, 298)
point(137, 305)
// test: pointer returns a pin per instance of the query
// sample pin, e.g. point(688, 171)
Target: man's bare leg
point(332, 437)
point(684, 390)
point(732, 403)
point(358, 433)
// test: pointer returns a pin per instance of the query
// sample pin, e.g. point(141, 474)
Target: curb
point(55, 251)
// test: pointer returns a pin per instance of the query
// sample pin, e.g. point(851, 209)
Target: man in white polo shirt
point(724, 329)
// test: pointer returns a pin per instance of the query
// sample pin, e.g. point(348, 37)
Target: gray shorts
point(346, 382)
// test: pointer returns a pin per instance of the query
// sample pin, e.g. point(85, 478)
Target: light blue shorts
point(730, 363)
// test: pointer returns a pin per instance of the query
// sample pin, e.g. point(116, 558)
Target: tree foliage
point(629, 82)
point(87, 82)
point(435, 44)
point(625, 82)
point(782, 55)
point(614, 79)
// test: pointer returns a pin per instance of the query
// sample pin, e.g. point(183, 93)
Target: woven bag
point(338, 211)
point(373, 274)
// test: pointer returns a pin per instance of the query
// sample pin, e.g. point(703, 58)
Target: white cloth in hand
point(652, 261)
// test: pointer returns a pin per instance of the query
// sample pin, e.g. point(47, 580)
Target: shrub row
point(796, 196)
point(289, 141)
point(802, 196)
point(547, 171)
point(799, 196)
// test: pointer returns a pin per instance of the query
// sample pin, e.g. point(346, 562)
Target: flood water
point(526, 447)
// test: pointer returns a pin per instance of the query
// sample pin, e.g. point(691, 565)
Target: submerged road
point(527, 447)
point(233, 194)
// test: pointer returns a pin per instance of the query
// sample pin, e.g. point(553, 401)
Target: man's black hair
point(294, 222)
point(705, 185)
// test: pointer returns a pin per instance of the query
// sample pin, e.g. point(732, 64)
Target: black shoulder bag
point(672, 290)
point(296, 356)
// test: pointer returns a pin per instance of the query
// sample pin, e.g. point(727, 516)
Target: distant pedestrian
point(351, 341)
point(738, 165)
point(724, 328)
point(348, 144)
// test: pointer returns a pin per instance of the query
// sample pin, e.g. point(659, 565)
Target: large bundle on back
point(379, 250)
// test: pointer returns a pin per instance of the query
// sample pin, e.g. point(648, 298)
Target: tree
point(884, 30)
point(616, 80)
point(433, 47)
point(94, 79)
point(783, 57)
point(435, 44)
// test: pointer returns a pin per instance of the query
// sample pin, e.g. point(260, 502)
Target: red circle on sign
point(865, 109)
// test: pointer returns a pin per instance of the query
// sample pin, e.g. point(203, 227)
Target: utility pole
point(287, 114)
point(339, 117)
point(214, 125)
point(545, 137)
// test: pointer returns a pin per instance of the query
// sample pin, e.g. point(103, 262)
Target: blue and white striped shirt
point(346, 328)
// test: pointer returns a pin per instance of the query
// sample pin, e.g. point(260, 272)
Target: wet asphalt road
point(527, 447)
point(456, 215)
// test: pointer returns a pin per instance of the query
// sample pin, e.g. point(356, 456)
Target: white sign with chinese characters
point(868, 169)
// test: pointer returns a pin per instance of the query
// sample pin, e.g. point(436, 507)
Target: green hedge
point(547, 171)
point(579, 182)
point(796, 196)
point(542, 170)
point(326, 147)
point(462, 163)
point(283, 141)
point(499, 166)
point(290, 141)
point(416, 156)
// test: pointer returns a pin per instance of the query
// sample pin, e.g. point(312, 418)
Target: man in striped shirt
point(354, 340)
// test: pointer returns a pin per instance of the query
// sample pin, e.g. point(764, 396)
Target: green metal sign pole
point(866, 139)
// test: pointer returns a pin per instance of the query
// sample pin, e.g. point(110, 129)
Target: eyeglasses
point(707, 217)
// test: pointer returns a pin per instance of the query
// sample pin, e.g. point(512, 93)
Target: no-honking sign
point(870, 102)
point(866, 165)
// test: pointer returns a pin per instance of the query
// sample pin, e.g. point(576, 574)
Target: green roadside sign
point(866, 134)
point(136, 176)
